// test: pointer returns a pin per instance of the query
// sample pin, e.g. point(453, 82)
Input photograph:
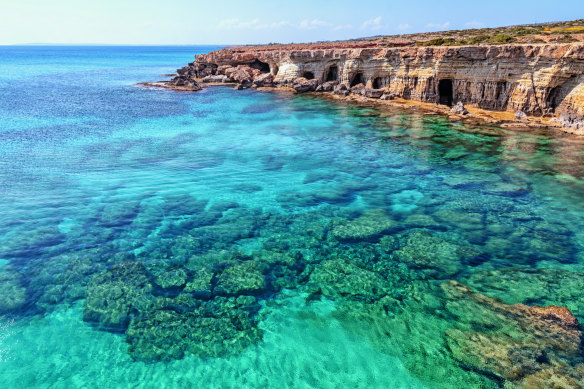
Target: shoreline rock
point(547, 95)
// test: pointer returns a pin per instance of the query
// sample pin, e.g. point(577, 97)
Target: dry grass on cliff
point(557, 32)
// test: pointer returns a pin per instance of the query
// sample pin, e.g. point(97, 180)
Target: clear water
point(328, 231)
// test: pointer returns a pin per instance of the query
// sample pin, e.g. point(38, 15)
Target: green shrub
point(501, 39)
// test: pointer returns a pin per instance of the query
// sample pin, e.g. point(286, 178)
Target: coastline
point(475, 115)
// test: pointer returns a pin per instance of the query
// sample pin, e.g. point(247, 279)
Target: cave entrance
point(357, 79)
point(332, 74)
point(308, 75)
point(261, 66)
point(377, 83)
point(445, 91)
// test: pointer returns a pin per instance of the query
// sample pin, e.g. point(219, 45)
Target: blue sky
point(240, 21)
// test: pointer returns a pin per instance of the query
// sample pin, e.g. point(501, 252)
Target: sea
point(249, 239)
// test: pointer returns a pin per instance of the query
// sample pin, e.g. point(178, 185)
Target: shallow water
point(248, 239)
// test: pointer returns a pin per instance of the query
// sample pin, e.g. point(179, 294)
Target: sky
point(185, 22)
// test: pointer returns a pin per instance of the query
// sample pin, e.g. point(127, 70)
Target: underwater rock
point(370, 225)
point(243, 278)
point(12, 292)
point(218, 328)
point(406, 201)
point(342, 193)
point(247, 188)
point(425, 249)
point(460, 218)
point(118, 214)
point(235, 224)
point(171, 278)
point(533, 286)
point(421, 220)
point(340, 278)
point(30, 241)
point(314, 176)
point(201, 285)
point(182, 204)
point(111, 296)
point(64, 277)
point(532, 347)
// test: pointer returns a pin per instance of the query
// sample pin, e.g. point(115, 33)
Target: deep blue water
point(150, 238)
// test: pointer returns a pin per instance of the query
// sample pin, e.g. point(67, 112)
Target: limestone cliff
point(538, 79)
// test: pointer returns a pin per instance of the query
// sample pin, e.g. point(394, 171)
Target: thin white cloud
point(372, 24)
point(255, 24)
point(474, 24)
point(438, 26)
point(312, 24)
point(403, 27)
point(343, 27)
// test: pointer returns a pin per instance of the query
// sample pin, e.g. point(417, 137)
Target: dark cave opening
point(262, 66)
point(377, 83)
point(445, 91)
point(357, 79)
point(332, 73)
point(308, 75)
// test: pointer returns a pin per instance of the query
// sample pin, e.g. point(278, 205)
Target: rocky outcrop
point(525, 346)
point(538, 79)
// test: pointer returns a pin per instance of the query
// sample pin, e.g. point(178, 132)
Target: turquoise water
point(247, 239)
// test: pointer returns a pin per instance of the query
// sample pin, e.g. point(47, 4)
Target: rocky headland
point(524, 79)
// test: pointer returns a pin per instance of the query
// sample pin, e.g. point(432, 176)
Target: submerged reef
point(456, 262)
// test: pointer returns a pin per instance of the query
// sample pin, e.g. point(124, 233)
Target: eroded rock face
point(533, 78)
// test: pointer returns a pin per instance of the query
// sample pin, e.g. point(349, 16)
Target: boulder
point(358, 89)
point(185, 83)
point(373, 93)
point(572, 120)
point(328, 86)
point(264, 79)
point(216, 79)
point(520, 115)
point(241, 73)
point(302, 85)
point(387, 96)
point(459, 109)
point(221, 69)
